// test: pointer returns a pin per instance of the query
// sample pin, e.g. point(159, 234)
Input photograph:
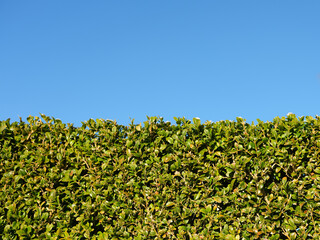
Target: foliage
point(223, 180)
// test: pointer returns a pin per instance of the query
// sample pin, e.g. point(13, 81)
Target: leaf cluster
point(157, 180)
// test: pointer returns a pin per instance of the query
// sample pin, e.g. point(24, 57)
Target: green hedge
point(157, 180)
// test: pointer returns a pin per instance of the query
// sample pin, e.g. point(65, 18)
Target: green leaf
point(3, 126)
point(162, 147)
point(129, 143)
point(170, 204)
point(59, 156)
point(169, 140)
point(196, 121)
point(217, 199)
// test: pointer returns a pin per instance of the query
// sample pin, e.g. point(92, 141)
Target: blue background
point(216, 60)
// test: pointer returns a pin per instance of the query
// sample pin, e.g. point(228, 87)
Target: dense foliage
point(223, 180)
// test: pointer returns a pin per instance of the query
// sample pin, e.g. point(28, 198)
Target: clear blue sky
point(216, 60)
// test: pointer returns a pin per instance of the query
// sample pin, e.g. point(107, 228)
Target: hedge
point(157, 180)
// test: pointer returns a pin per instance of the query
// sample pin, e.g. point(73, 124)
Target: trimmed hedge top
point(223, 180)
